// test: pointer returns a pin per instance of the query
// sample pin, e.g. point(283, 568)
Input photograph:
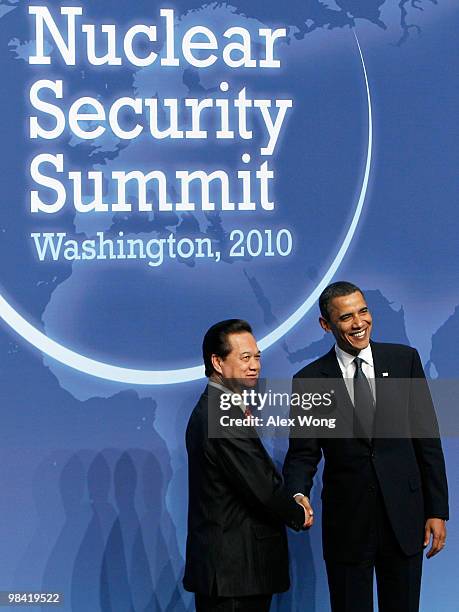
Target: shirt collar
point(224, 389)
point(345, 359)
point(220, 387)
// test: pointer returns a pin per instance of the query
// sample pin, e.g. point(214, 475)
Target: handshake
point(302, 500)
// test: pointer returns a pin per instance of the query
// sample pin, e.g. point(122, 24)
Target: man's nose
point(254, 364)
point(357, 321)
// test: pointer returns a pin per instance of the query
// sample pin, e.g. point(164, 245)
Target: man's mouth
point(359, 334)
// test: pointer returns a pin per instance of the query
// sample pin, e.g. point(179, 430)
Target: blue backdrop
point(364, 183)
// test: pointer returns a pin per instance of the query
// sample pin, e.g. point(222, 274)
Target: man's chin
point(250, 383)
point(358, 346)
point(354, 347)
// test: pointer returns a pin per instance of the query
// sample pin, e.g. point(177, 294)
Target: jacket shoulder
point(400, 360)
point(391, 348)
point(314, 368)
point(199, 412)
point(208, 401)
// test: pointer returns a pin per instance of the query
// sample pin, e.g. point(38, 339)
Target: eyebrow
point(249, 353)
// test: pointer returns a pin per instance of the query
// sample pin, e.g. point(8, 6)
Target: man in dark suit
point(236, 552)
point(384, 496)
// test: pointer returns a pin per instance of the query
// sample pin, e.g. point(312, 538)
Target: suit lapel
point(382, 370)
point(388, 415)
point(330, 369)
point(380, 363)
point(329, 365)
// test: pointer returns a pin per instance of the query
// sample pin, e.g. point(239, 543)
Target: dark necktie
point(364, 407)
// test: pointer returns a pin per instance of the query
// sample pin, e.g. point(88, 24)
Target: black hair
point(338, 289)
point(216, 340)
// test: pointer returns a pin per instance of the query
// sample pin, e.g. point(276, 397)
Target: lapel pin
point(385, 373)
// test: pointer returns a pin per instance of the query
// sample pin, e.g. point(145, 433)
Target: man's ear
point(324, 324)
point(216, 363)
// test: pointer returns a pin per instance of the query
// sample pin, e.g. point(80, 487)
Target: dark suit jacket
point(237, 508)
point(408, 472)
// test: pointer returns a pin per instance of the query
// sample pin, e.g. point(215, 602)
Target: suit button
point(372, 488)
point(373, 454)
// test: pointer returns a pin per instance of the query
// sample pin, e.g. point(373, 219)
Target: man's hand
point(436, 528)
point(302, 500)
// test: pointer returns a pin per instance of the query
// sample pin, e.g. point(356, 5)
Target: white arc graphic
point(168, 377)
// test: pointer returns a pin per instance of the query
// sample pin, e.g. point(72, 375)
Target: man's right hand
point(302, 500)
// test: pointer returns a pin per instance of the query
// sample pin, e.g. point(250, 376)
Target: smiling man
point(236, 552)
point(383, 498)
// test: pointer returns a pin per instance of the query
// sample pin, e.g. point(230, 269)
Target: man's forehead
point(352, 301)
point(242, 342)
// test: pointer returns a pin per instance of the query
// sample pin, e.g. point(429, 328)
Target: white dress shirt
point(347, 367)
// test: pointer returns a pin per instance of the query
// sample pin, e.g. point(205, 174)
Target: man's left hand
point(436, 528)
